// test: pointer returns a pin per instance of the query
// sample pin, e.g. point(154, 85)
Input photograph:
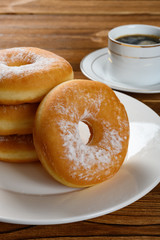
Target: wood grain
point(78, 7)
point(72, 29)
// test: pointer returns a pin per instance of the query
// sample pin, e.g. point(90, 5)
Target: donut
point(92, 107)
point(17, 149)
point(27, 74)
point(17, 119)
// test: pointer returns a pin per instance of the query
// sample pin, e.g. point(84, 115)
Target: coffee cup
point(130, 63)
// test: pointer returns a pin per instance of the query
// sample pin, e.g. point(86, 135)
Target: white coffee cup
point(137, 65)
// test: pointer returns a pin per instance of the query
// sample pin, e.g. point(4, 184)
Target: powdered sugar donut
point(27, 74)
point(67, 110)
point(17, 119)
point(17, 148)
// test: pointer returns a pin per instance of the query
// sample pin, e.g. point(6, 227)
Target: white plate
point(28, 195)
point(94, 66)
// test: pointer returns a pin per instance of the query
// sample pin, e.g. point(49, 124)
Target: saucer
point(94, 66)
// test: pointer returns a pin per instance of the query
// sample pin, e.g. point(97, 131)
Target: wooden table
point(73, 29)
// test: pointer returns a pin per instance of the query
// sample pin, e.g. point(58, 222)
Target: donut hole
point(19, 63)
point(85, 132)
point(18, 59)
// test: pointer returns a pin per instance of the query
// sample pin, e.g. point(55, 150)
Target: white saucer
point(94, 66)
point(28, 195)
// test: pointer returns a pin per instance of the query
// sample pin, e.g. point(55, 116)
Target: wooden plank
point(55, 32)
point(82, 230)
point(72, 24)
point(78, 7)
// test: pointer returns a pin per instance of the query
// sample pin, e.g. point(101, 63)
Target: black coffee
point(139, 39)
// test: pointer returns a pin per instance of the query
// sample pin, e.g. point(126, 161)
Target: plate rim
point(79, 218)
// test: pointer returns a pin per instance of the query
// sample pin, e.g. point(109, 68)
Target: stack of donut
point(26, 75)
point(81, 130)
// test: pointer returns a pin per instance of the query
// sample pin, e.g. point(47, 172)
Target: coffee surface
point(139, 39)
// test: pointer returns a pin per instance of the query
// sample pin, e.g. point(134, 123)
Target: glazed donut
point(17, 119)
point(27, 74)
point(17, 148)
point(70, 159)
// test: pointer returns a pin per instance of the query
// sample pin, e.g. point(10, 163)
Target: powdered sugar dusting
point(87, 156)
point(31, 62)
point(100, 157)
